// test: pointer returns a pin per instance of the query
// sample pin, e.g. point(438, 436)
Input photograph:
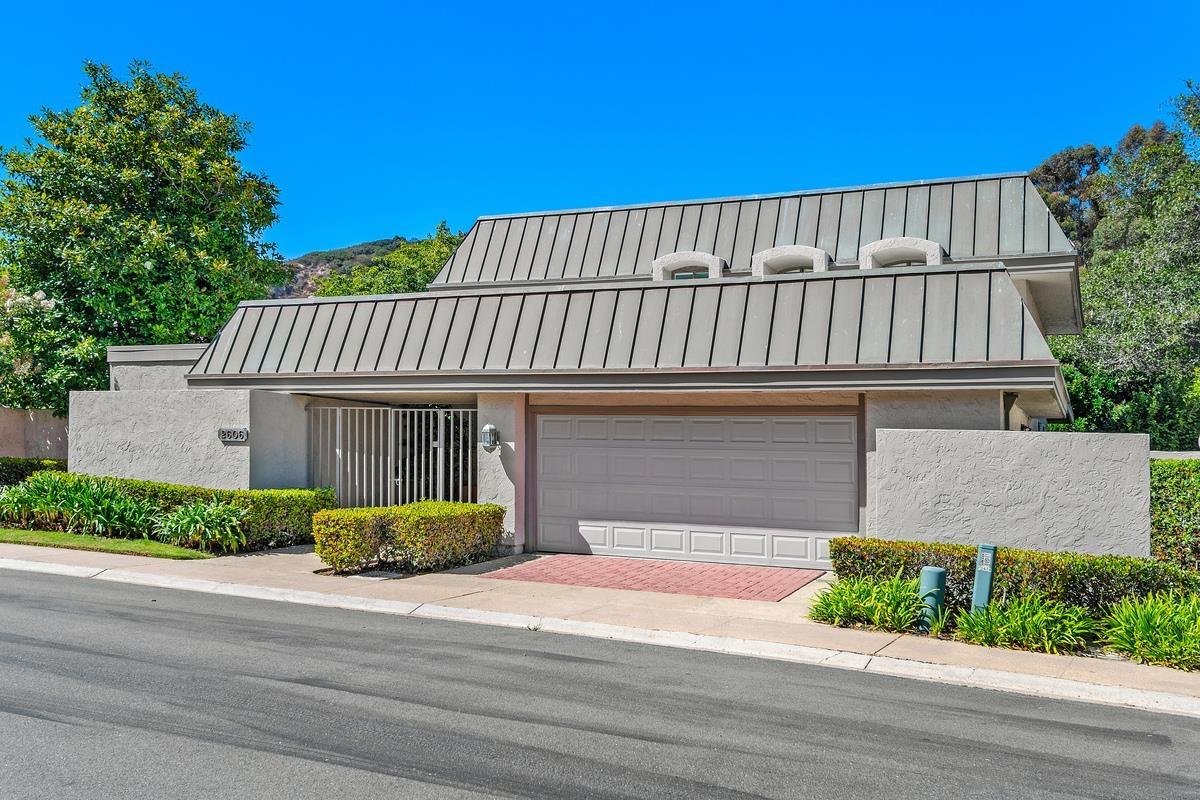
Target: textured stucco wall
point(954, 410)
point(1085, 492)
point(162, 435)
point(962, 410)
point(278, 441)
point(32, 434)
point(502, 470)
point(171, 435)
point(128, 377)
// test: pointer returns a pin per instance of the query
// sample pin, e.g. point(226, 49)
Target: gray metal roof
point(889, 318)
point(971, 218)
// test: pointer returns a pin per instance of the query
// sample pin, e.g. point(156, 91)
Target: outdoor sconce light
point(489, 437)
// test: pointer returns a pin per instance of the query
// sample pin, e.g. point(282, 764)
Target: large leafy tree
point(408, 268)
point(128, 220)
point(1137, 365)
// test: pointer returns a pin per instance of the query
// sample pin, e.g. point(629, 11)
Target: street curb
point(972, 677)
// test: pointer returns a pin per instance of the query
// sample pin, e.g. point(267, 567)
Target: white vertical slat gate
point(390, 456)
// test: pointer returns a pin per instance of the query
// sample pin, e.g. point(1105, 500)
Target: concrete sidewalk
point(747, 627)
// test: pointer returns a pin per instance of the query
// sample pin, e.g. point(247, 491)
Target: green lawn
point(77, 541)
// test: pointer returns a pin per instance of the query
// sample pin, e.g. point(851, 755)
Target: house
point(726, 380)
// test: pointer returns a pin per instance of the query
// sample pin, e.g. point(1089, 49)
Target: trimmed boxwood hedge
point(15, 470)
point(428, 535)
point(1175, 511)
point(274, 517)
point(1093, 582)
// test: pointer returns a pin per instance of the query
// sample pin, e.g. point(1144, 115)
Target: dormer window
point(687, 265)
point(900, 251)
point(789, 259)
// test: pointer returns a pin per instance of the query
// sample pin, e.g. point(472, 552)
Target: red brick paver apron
point(734, 581)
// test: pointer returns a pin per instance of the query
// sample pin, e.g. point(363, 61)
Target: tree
point(408, 268)
point(1136, 367)
point(1066, 181)
point(1072, 181)
point(129, 220)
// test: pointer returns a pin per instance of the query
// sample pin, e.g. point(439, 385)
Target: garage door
point(752, 490)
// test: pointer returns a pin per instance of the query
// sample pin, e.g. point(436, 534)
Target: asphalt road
point(114, 691)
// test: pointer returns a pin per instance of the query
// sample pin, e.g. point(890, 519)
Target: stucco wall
point(162, 435)
point(128, 377)
point(171, 435)
point(154, 366)
point(1085, 492)
point(501, 471)
point(278, 441)
point(32, 434)
point(962, 410)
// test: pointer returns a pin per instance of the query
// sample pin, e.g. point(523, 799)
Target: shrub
point(420, 536)
point(845, 603)
point(1175, 511)
point(96, 506)
point(273, 517)
point(15, 470)
point(893, 604)
point(213, 526)
point(1027, 622)
point(1092, 582)
point(352, 539)
point(1161, 628)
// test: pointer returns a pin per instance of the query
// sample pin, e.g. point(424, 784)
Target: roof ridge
point(745, 197)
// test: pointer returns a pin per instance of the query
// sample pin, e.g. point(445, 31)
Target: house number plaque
point(233, 435)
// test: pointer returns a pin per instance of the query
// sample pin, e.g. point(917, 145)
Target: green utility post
point(933, 592)
point(984, 563)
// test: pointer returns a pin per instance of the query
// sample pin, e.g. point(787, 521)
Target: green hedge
point(420, 536)
point(15, 470)
point(273, 517)
point(1175, 511)
point(1093, 582)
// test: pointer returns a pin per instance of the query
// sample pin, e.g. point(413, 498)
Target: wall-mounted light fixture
point(489, 437)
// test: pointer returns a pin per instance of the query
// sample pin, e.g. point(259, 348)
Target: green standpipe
point(985, 562)
point(932, 587)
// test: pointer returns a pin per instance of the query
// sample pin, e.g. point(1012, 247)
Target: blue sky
point(381, 119)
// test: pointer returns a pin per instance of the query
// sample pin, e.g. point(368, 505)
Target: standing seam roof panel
point(507, 265)
point(969, 218)
point(971, 316)
point(613, 240)
point(279, 339)
point(257, 351)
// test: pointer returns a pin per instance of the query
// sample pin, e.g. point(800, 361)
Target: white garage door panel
point(761, 490)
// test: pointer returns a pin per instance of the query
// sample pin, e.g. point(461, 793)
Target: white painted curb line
point(1020, 683)
point(49, 569)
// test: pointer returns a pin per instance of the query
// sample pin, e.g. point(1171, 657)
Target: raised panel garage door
point(738, 489)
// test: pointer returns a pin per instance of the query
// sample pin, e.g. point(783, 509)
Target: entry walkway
point(747, 627)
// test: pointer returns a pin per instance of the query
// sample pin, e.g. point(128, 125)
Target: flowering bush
point(39, 361)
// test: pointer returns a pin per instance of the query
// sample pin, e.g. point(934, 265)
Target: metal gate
point(389, 456)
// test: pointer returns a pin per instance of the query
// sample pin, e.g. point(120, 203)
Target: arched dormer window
point(687, 265)
point(900, 251)
point(787, 259)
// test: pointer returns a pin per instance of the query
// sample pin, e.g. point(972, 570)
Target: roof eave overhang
point(1005, 376)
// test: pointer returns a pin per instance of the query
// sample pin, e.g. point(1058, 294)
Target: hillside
point(311, 266)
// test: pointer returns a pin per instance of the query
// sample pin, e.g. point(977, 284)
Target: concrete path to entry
point(777, 630)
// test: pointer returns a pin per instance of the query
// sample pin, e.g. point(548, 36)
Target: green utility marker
point(933, 593)
point(985, 563)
